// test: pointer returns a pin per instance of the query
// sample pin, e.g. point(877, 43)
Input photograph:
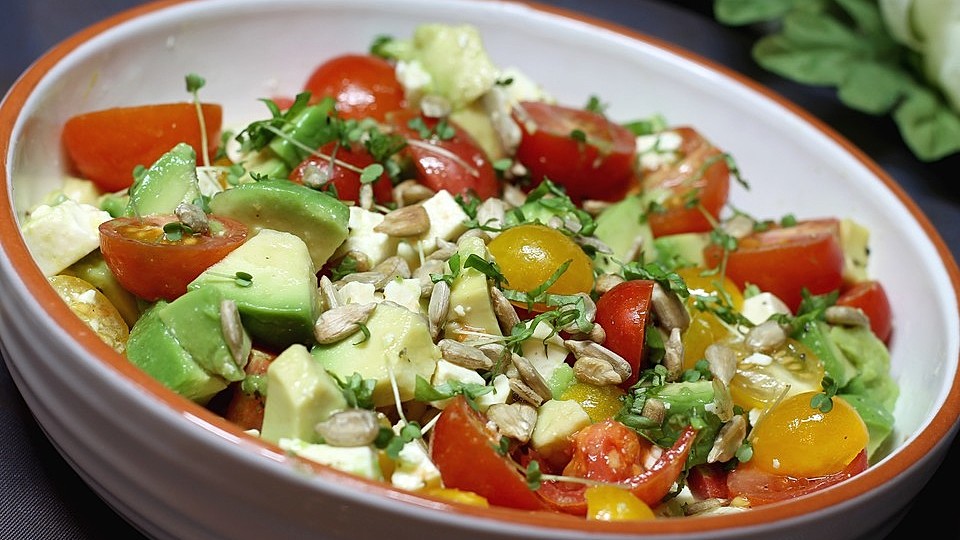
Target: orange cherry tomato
point(464, 450)
point(529, 254)
point(701, 174)
point(760, 487)
point(106, 146)
point(785, 260)
point(343, 179)
point(453, 163)
point(153, 267)
point(623, 312)
point(871, 297)
point(590, 156)
point(362, 85)
point(609, 451)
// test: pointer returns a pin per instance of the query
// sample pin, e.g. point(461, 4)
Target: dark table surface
point(41, 497)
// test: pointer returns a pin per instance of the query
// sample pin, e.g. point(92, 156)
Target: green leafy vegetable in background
point(884, 57)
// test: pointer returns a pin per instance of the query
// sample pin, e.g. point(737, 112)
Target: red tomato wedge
point(341, 172)
point(363, 86)
point(871, 297)
point(761, 487)
point(105, 146)
point(785, 260)
point(456, 164)
point(246, 407)
point(701, 175)
point(466, 454)
point(611, 452)
point(623, 313)
point(590, 156)
point(708, 481)
point(154, 268)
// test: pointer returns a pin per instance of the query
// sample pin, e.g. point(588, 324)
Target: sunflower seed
point(531, 377)
point(590, 349)
point(605, 282)
point(233, 331)
point(655, 410)
point(738, 226)
point(514, 420)
point(722, 361)
point(423, 272)
point(392, 267)
point(338, 323)
point(673, 355)
point(464, 355)
point(846, 316)
point(193, 217)
point(766, 336)
point(491, 213)
point(365, 198)
point(525, 393)
point(596, 372)
point(438, 307)
point(504, 310)
point(405, 222)
point(411, 192)
point(351, 427)
point(728, 440)
point(669, 308)
point(328, 293)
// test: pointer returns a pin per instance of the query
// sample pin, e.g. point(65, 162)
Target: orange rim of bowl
point(925, 441)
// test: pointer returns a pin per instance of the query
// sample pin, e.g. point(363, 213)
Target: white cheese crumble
point(60, 235)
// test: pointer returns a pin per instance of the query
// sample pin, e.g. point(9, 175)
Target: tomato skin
point(708, 481)
point(602, 167)
point(700, 174)
point(592, 447)
point(243, 409)
point(154, 269)
point(470, 172)
point(362, 85)
point(465, 453)
point(345, 181)
point(623, 313)
point(760, 487)
point(871, 297)
point(784, 260)
point(105, 146)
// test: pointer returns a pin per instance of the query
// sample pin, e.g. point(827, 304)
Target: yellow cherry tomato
point(599, 402)
point(701, 285)
point(705, 329)
point(93, 307)
point(529, 254)
point(762, 379)
point(458, 495)
point(796, 439)
point(610, 503)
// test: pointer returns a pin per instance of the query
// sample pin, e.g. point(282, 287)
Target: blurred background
point(42, 497)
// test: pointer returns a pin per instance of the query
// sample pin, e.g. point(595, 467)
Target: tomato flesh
point(106, 146)
point(760, 487)
point(623, 313)
point(871, 297)
point(465, 452)
point(154, 268)
point(362, 85)
point(344, 180)
point(590, 156)
point(785, 260)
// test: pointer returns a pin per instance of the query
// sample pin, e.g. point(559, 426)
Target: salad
point(425, 270)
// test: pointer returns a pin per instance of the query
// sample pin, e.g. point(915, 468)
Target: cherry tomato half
point(701, 174)
point(590, 156)
point(455, 163)
point(363, 86)
point(464, 450)
point(623, 313)
point(760, 487)
point(871, 297)
point(246, 404)
point(785, 260)
point(153, 267)
point(341, 172)
point(105, 146)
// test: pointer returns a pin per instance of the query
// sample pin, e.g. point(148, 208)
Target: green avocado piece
point(93, 269)
point(155, 350)
point(171, 180)
point(816, 336)
point(619, 226)
point(300, 394)
point(879, 423)
point(399, 348)
point(871, 359)
point(280, 304)
point(470, 306)
point(317, 218)
point(194, 319)
point(678, 250)
point(456, 60)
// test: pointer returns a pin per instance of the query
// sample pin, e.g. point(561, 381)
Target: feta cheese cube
point(60, 235)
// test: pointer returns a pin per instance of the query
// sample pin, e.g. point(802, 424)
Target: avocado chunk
point(280, 304)
point(557, 421)
point(317, 218)
point(871, 359)
point(194, 320)
point(470, 307)
point(361, 461)
point(171, 180)
point(155, 350)
point(619, 226)
point(300, 394)
point(399, 348)
point(816, 336)
point(679, 250)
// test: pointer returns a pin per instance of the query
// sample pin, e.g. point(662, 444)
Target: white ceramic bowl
point(178, 471)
